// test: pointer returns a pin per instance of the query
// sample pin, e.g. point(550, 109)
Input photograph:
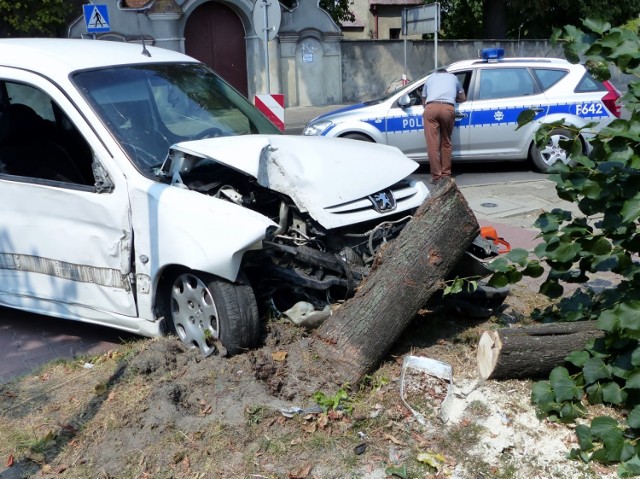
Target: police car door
point(460, 135)
point(500, 95)
point(404, 126)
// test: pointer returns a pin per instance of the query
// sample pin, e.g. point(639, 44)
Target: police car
point(498, 89)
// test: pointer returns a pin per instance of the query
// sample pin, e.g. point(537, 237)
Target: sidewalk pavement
point(296, 117)
point(28, 341)
point(512, 208)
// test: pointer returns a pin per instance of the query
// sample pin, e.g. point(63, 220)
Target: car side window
point(464, 77)
point(416, 96)
point(589, 84)
point(505, 83)
point(548, 77)
point(38, 141)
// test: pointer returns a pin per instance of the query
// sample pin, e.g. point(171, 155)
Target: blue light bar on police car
point(492, 54)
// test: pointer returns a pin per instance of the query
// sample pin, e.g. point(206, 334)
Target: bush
point(605, 185)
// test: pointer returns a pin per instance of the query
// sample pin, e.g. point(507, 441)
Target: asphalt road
point(468, 174)
point(28, 341)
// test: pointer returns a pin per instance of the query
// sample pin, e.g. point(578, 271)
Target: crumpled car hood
point(315, 172)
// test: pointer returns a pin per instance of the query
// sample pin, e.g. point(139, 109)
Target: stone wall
point(372, 67)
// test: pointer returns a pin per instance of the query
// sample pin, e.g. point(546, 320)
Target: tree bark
point(533, 351)
point(405, 275)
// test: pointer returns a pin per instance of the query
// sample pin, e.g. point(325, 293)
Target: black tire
point(482, 303)
point(543, 159)
point(202, 309)
point(357, 136)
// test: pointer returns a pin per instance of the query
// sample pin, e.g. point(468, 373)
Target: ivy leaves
point(604, 237)
point(510, 268)
point(607, 442)
point(30, 17)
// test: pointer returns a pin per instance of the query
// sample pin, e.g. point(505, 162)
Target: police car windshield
point(407, 88)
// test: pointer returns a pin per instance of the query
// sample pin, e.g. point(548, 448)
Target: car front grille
point(401, 194)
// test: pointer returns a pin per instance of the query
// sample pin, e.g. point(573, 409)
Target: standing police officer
point(440, 93)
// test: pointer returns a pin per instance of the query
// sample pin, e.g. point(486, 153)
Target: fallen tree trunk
point(532, 351)
point(411, 268)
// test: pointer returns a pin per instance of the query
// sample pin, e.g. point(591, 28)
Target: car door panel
point(501, 95)
point(405, 130)
point(405, 126)
point(65, 248)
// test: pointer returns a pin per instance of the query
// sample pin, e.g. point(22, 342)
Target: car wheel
point(204, 310)
point(545, 157)
point(357, 136)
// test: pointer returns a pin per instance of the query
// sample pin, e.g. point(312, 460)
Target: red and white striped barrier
point(272, 105)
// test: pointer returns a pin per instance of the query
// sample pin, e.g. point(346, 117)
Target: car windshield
point(408, 87)
point(148, 108)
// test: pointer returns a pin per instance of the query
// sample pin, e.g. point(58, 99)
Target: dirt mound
point(156, 409)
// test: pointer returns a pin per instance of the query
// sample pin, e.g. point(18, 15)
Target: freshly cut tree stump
point(532, 351)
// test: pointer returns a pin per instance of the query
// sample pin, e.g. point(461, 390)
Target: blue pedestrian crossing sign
point(96, 17)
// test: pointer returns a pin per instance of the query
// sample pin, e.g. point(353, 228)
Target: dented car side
point(142, 192)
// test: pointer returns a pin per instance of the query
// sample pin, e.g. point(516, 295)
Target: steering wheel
point(212, 132)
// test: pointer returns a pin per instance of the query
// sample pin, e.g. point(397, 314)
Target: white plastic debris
point(303, 314)
point(434, 368)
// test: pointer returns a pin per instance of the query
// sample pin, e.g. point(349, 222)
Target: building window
point(394, 33)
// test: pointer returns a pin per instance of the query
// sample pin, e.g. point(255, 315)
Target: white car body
point(486, 124)
point(96, 249)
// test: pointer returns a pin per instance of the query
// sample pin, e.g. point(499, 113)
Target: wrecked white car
point(141, 192)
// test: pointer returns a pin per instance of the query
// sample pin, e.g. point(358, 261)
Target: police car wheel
point(548, 155)
point(357, 136)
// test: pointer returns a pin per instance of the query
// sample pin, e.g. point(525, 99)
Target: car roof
point(512, 61)
point(61, 56)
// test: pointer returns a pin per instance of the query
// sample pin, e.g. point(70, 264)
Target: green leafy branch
point(605, 238)
point(338, 401)
point(31, 17)
point(460, 285)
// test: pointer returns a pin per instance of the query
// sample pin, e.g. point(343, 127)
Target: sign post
point(266, 22)
point(420, 20)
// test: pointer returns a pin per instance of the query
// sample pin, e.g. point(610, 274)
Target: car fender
point(574, 122)
point(569, 119)
point(177, 226)
point(373, 128)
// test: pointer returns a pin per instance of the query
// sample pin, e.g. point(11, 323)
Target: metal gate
point(214, 34)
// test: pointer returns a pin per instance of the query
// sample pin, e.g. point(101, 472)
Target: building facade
point(311, 61)
point(378, 20)
point(302, 61)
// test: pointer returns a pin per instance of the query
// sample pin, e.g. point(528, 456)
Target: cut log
point(406, 274)
point(533, 351)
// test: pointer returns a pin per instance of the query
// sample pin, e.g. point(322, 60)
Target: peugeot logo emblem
point(383, 201)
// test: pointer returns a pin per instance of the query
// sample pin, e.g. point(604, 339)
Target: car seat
point(28, 149)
